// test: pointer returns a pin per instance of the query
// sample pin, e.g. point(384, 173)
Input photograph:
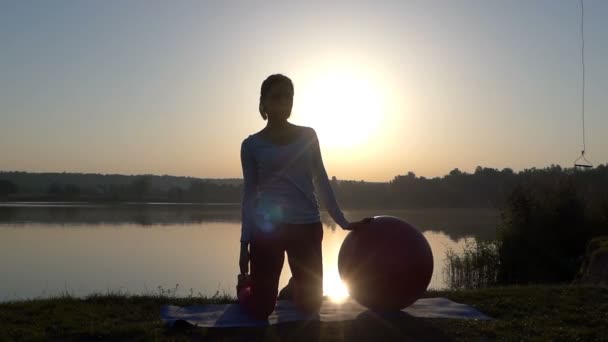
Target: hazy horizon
point(239, 177)
point(172, 88)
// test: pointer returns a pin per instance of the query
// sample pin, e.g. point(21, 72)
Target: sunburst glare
point(334, 288)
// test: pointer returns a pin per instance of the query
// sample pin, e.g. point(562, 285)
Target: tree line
point(484, 188)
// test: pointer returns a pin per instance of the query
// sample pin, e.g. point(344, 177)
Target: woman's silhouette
point(282, 166)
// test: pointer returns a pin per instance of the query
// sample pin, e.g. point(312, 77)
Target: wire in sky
point(583, 66)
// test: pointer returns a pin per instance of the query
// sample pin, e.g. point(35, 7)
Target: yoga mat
point(232, 315)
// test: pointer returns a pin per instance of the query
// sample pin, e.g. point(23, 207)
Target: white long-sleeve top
point(280, 182)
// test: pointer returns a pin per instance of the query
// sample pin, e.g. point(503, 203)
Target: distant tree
point(141, 186)
point(7, 187)
point(486, 187)
point(175, 194)
point(334, 182)
point(197, 190)
point(455, 172)
point(55, 189)
point(71, 190)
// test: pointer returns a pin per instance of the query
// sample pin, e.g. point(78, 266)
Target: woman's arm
point(250, 183)
point(323, 186)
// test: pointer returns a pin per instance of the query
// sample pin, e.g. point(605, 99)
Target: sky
point(172, 87)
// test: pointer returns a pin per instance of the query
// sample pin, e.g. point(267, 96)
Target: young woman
point(282, 166)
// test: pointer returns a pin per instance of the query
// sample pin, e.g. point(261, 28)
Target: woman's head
point(276, 97)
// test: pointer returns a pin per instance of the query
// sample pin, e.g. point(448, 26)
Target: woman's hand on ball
point(359, 224)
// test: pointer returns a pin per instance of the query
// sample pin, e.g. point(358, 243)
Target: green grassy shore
point(531, 313)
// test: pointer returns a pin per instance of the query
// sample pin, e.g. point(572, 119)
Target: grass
point(534, 313)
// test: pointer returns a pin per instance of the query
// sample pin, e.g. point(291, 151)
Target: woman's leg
point(267, 254)
point(303, 245)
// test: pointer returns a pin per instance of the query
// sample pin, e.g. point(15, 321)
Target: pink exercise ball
point(387, 265)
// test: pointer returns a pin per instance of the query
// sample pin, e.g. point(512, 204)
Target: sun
point(344, 106)
point(335, 288)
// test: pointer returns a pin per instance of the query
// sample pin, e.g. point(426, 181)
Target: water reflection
point(143, 214)
point(457, 223)
point(82, 250)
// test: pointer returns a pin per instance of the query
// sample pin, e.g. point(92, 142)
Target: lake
point(49, 249)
